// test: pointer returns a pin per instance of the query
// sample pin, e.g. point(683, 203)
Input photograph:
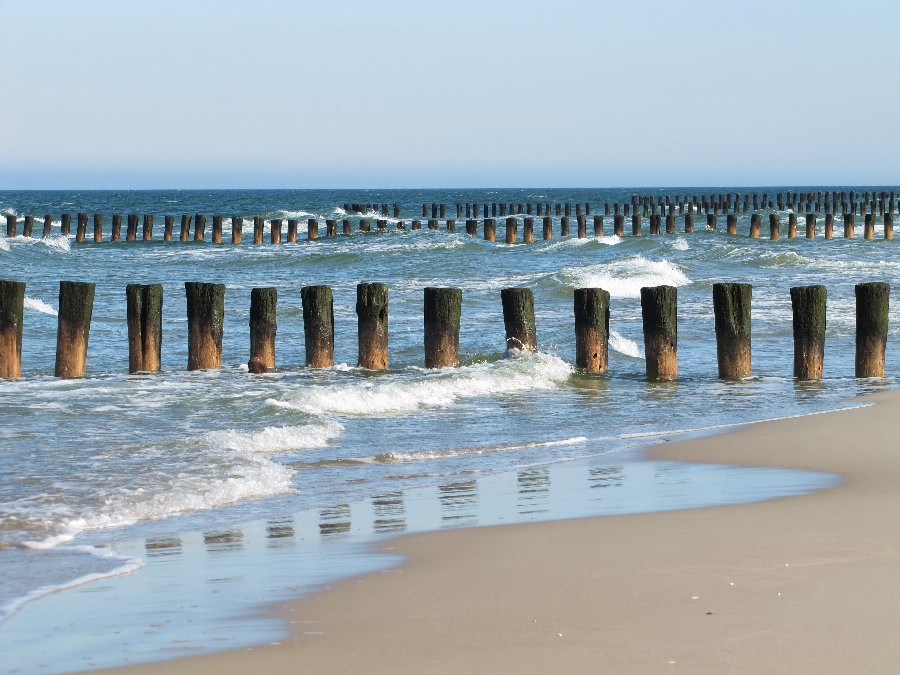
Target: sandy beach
point(802, 584)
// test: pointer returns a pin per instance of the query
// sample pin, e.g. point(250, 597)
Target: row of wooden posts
point(489, 227)
point(442, 311)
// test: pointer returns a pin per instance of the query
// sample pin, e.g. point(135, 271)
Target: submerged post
point(518, 319)
point(318, 325)
point(263, 327)
point(888, 225)
point(259, 229)
point(29, 225)
point(528, 230)
point(48, 224)
point(81, 227)
point(547, 224)
point(490, 229)
point(275, 231)
point(372, 313)
point(98, 228)
point(512, 225)
point(829, 226)
point(312, 229)
point(65, 224)
point(144, 316)
point(11, 225)
point(808, 305)
point(774, 226)
point(217, 229)
point(12, 314)
point(168, 228)
point(872, 304)
point(76, 304)
point(237, 229)
point(185, 233)
point(659, 312)
point(810, 225)
point(869, 227)
point(442, 310)
point(592, 329)
point(731, 305)
point(206, 315)
point(199, 227)
point(755, 226)
point(148, 226)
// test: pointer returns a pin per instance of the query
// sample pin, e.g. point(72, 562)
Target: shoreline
point(792, 584)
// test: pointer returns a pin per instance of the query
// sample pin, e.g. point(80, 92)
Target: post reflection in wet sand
point(219, 541)
point(163, 546)
point(335, 521)
point(389, 513)
point(280, 531)
point(459, 503)
point(533, 489)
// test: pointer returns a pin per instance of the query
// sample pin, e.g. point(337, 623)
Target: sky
point(400, 93)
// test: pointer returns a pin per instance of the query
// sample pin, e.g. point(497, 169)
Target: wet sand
point(800, 584)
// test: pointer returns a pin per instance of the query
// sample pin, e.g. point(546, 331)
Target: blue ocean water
point(97, 474)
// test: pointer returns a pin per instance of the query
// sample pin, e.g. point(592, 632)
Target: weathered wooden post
point(199, 227)
point(415, 225)
point(688, 222)
point(237, 229)
point(869, 227)
point(512, 225)
point(564, 226)
point(471, 226)
point(442, 211)
point(432, 224)
point(12, 314)
point(318, 325)
point(849, 225)
point(731, 305)
point(582, 225)
point(98, 228)
point(792, 225)
point(81, 227)
point(76, 304)
point(275, 231)
point(808, 305)
point(346, 228)
point(185, 233)
point(206, 315)
point(259, 229)
point(659, 312)
point(366, 226)
point(528, 230)
point(598, 225)
point(442, 310)
point(148, 226)
point(144, 317)
point(810, 225)
point(619, 225)
point(829, 226)
point(372, 313)
point(65, 224)
point(592, 329)
point(48, 225)
point(330, 228)
point(490, 229)
point(888, 225)
point(711, 221)
point(263, 327)
point(132, 227)
point(518, 319)
point(217, 229)
point(312, 229)
point(168, 228)
point(11, 225)
point(872, 304)
point(654, 223)
point(731, 223)
point(774, 226)
point(547, 224)
point(29, 226)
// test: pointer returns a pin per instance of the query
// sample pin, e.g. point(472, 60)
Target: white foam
point(575, 242)
point(624, 345)
point(463, 452)
point(39, 305)
point(624, 278)
point(4, 245)
point(56, 242)
point(680, 244)
point(277, 439)
point(437, 388)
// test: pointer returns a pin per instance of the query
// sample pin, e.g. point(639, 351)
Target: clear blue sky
point(403, 93)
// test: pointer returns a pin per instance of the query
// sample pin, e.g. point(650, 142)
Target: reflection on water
point(534, 488)
point(163, 546)
point(605, 476)
point(218, 541)
point(458, 503)
point(280, 531)
point(335, 521)
point(389, 513)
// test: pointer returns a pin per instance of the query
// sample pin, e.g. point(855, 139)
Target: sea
point(151, 516)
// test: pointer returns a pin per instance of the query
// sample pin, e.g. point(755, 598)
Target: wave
point(575, 242)
point(624, 345)
point(624, 278)
point(437, 388)
point(57, 242)
point(397, 457)
point(38, 305)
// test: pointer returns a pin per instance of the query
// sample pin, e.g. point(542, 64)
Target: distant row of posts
point(442, 309)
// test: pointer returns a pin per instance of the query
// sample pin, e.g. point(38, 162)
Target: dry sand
point(803, 584)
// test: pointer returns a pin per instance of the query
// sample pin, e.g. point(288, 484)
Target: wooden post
point(365, 226)
point(168, 228)
point(259, 229)
point(564, 226)
point(185, 233)
point(144, 316)
point(330, 228)
point(731, 223)
point(65, 224)
point(869, 227)
point(829, 225)
point(582, 225)
point(528, 230)
point(442, 310)
point(872, 304)
point(275, 231)
point(76, 304)
point(711, 221)
point(217, 229)
point(372, 313)
point(792, 225)
point(547, 224)
point(29, 225)
point(808, 304)
point(731, 305)
point(48, 225)
point(688, 222)
point(199, 227)
point(810, 225)
point(619, 225)
point(318, 325)
point(12, 314)
point(659, 311)
point(849, 225)
point(598, 225)
point(888, 225)
point(131, 231)
point(415, 225)
point(592, 329)
point(346, 228)
point(11, 225)
point(263, 327)
point(518, 319)
point(654, 223)
point(237, 229)
point(98, 228)
point(81, 228)
point(512, 226)
point(148, 226)
point(490, 229)
point(432, 224)
point(774, 226)
point(206, 315)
